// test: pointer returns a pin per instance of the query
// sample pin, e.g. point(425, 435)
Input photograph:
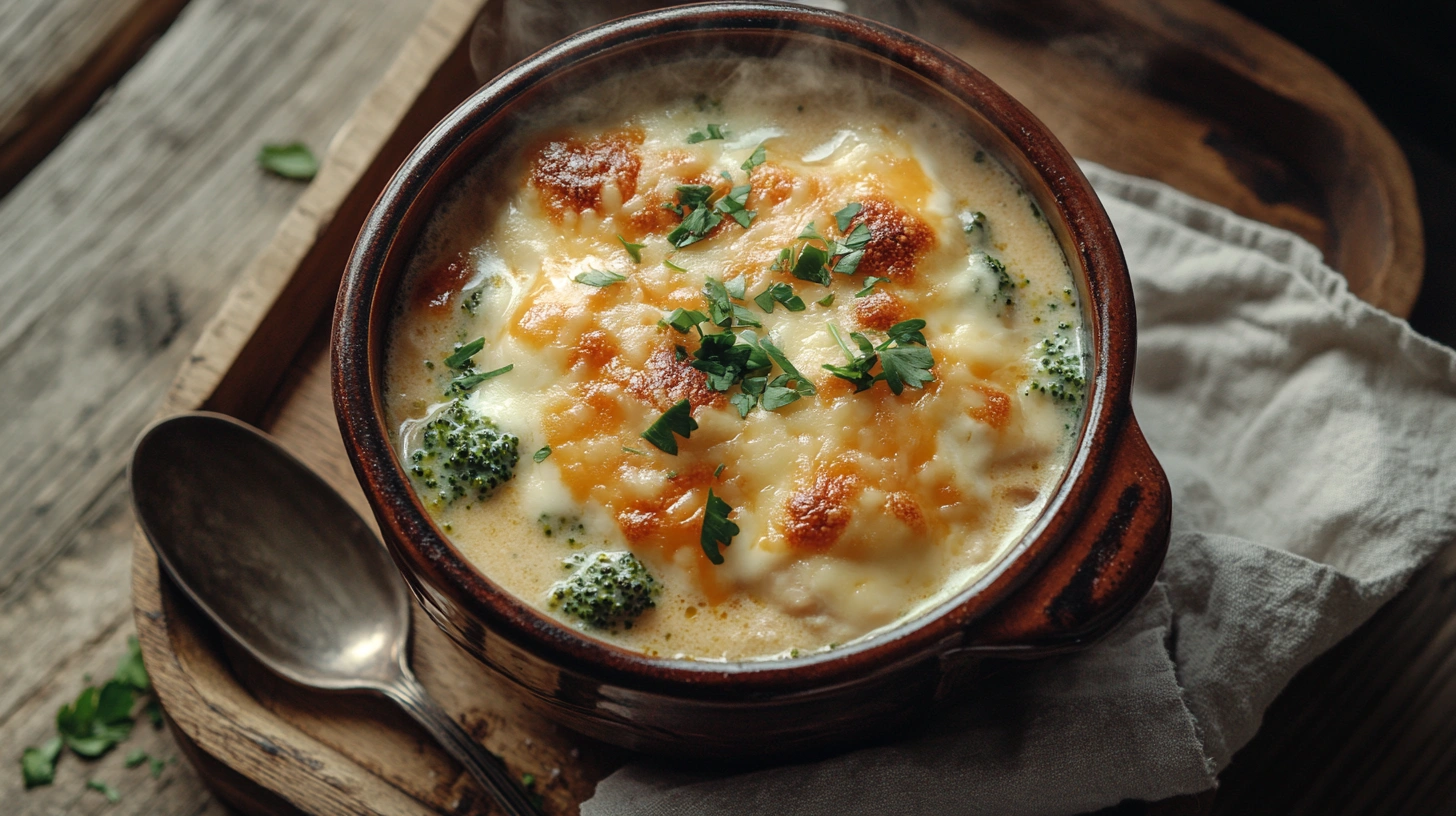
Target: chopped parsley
point(96, 721)
point(719, 471)
point(721, 309)
point(463, 353)
point(732, 205)
point(670, 265)
point(903, 358)
point(718, 531)
point(804, 387)
point(111, 794)
point(540, 455)
point(827, 300)
point(466, 381)
point(712, 132)
point(759, 156)
point(727, 360)
point(291, 161)
point(735, 287)
point(779, 293)
point(697, 224)
point(633, 451)
point(599, 278)
point(676, 420)
point(635, 250)
point(813, 262)
point(692, 195)
point(471, 304)
point(683, 320)
point(38, 765)
point(869, 286)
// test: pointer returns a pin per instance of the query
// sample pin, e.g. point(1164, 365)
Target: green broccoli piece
point(1065, 378)
point(607, 590)
point(462, 454)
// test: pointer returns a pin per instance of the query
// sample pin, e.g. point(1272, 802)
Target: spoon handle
point(483, 765)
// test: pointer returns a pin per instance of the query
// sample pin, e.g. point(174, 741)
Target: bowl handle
point(1101, 571)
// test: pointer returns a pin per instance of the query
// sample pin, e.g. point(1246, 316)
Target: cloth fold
point(1303, 432)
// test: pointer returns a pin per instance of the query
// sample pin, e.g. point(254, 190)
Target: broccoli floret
point(607, 590)
point(463, 454)
point(1062, 368)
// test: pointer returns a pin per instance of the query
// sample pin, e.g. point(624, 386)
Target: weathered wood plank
point(111, 253)
point(57, 59)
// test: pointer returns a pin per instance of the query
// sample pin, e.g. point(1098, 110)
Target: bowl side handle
point(1104, 567)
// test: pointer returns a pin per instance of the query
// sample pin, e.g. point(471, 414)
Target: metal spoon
point(285, 567)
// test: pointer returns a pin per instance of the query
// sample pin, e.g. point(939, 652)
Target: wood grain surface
point(119, 245)
point(113, 253)
point(57, 58)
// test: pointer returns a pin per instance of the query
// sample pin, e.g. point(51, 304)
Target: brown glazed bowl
point(1082, 565)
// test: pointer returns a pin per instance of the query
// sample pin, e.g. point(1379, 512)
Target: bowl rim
point(422, 551)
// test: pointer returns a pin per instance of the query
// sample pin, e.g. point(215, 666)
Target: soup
point(715, 365)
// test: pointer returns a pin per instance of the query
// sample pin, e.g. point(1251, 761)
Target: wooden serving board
point(1185, 92)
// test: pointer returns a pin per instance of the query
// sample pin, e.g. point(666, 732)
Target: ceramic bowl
point(1090, 556)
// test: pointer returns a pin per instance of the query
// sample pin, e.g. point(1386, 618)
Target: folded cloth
point(1303, 432)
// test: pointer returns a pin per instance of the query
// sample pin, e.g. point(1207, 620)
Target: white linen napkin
point(1304, 433)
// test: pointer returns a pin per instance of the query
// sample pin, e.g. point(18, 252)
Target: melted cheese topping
point(856, 510)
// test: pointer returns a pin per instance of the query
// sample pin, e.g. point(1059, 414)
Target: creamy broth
point(855, 509)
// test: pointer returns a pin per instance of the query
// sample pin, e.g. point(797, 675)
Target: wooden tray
point(1185, 92)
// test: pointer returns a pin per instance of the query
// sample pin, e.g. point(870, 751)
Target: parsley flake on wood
point(599, 278)
point(111, 794)
point(38, 765)
point(97, 720)
point(718, 531)
point(712, 132)
point(635, 250)
point(291, 161)
point(676, 420)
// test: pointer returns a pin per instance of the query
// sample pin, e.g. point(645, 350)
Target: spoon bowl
point(288, 570)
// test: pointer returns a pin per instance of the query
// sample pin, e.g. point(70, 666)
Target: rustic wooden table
point(130, 127)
